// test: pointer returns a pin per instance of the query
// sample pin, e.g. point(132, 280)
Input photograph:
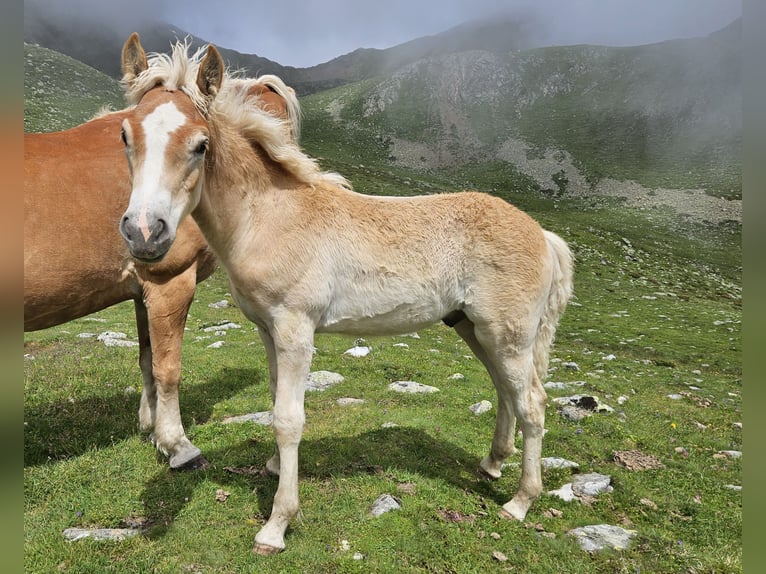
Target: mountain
point(666, 114)
point(486, 97)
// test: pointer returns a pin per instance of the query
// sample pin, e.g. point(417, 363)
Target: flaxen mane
point(235, 109)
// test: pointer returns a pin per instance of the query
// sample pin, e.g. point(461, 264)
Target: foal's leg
point(505, 423)
point(517, 381)
point(272, 465)
point(293, 338)
point(167, 306)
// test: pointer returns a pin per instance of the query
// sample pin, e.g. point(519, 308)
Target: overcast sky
point(303, 33)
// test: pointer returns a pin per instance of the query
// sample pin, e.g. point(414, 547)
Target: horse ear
point(133, 58)
point(210, 74)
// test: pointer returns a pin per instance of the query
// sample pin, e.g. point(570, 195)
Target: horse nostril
point(162, 227)
point(125, 228)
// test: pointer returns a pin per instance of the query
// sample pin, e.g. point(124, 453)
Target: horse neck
point(239, 179)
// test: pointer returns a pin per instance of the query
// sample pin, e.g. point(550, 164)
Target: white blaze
point(157, 126)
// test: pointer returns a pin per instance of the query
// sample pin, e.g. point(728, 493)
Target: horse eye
point(201, 147)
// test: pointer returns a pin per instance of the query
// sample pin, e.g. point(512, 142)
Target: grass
point(672, 321)
point(660, 294)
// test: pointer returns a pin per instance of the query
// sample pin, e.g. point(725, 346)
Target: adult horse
point(305, 254)
point(76, 187)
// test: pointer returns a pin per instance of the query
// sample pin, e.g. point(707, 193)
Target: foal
point(305, 254)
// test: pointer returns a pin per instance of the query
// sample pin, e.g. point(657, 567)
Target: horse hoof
point(197, 463)
point(265, 549)
point(504, 514)
point(484, 475)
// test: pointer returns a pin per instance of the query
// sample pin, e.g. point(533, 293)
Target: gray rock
point(565, 493)
point(480, 407)
point(591, 484)
point(556, 462)
point(358, 351)
point(587, 402)
point(600, 536)
point(349, 401)
point(116, 339)
point(322, 380)
point(223, 304)
point(262, 418)
point(384, 503)
point(411, 387)
point(222, 327)
point(101, 533)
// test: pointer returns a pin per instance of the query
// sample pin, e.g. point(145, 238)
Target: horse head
point(166, 137)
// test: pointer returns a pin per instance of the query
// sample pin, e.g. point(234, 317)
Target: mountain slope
point(61, 92)
point(667, 115)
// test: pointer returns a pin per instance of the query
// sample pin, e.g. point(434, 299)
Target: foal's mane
point(237, 110)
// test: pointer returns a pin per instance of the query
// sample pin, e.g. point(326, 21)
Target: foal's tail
point(560, 292)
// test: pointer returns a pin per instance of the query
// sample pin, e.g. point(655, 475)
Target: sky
point(304, 33)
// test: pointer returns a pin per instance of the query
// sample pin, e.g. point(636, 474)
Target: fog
point(304, 33)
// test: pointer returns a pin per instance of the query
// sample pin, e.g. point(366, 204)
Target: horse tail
point(562, 262)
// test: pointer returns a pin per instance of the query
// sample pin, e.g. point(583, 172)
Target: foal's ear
point(210, 74)
point(133, 58)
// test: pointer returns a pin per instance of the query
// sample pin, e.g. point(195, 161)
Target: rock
point(358, 351)
point(571, 365)
point(262, 418)
point(556, 386)
point(216, 345)
point(675, 396)
point(322, 380)
point(565, 493)
point(481, 407)
point(555, 462)
point(591, 484)
point(116, 339)
point(411, 387)
point(730, 453)
point(384, 503)
point(223, 304)
point(600, 536)
point(222, 327)
point(456, 377)
point(101, 533)
point(401, 345)
point(499, 556)
point(587, 402)
point(574, 414)
point(389, 425)
point(348, 401)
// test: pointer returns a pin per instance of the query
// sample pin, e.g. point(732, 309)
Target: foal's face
point(166, 140)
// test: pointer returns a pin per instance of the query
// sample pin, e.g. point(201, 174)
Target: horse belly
point(387, 311)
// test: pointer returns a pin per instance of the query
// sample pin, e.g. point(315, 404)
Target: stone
point(591, 484)
point(384, 503)
point(411, 387)
point(601, 536)
point(322, 380)
point(262, 418)
point(480, 407)
point(565, 493)
point(358, 351)
point(556, 462)
point(101, 533)
point(349, 401)
point(222, 327)
point(116, 339)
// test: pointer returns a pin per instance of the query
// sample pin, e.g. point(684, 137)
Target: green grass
point(86, 464)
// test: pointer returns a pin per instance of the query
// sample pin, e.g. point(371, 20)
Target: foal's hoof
point(197, 463)
point(265, 549)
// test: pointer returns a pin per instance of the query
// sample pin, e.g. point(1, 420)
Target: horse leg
point(517, 382)
point(503, 444)
point(272, 465)
point(148, 405)
point(167, 307)
point(293, 339)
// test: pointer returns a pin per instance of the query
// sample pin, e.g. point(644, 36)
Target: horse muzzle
point(148, 243)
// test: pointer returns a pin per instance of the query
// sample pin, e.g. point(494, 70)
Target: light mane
point(276, 84)
point(237, 110)
point(174, 71)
